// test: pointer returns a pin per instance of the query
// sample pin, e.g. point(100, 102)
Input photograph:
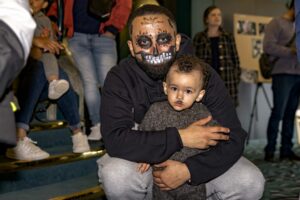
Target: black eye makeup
point(144, 41)
point(164, 38)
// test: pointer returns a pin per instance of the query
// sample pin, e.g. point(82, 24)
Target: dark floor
point(282, 178)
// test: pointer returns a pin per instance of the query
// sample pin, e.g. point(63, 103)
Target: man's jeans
point(121, 180)
point(285, 97)
point(33, 88)
point(94, 56)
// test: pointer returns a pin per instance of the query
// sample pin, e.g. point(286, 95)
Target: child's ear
point(200, 96)
point(165, 85)
point(45, 4)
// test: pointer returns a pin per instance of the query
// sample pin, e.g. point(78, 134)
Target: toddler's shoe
point(57, 88)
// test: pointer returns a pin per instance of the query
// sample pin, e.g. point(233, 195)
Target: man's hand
point(197, 135)
point(172, 175)
point(109, 34)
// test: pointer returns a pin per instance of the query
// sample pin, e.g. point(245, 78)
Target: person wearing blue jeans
point(288, 120)
point(94, 55)
point(93, 46)
point(285, 77)
point(33, 88)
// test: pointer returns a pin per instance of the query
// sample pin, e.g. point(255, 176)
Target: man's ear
point(45, 4)
point(178, 40)
point(200, 96)
point(165, 85)
point(130, 46)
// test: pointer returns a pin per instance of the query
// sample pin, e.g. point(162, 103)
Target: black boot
point(269, 157)
point(291, 156)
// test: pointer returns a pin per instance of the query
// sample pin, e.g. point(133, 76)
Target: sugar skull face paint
point(154, 44)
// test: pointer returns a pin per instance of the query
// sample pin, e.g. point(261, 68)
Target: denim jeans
point(121, 180)
point(33, 88)
point(288, 120)
point(285, 102)
point(94, 56)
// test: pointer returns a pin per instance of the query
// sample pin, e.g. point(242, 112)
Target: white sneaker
point(57, 88)
point(26, 150)
point(80, 143)
point(95, 133)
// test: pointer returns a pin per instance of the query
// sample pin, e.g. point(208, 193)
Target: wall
point(247, 91)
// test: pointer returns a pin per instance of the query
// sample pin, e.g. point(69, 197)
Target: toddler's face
point(38, 5)
point(183, 89)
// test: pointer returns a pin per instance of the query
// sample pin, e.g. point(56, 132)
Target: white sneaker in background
point(57, 88)
point(80, 143)
point(26, 150)
point(95, 133)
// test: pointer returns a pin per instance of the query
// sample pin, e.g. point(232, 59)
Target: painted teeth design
point(158, 59)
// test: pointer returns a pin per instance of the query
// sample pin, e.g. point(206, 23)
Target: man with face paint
point(129, 90)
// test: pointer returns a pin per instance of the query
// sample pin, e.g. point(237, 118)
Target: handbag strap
point(287, 45)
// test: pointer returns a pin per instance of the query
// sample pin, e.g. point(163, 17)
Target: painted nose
point(155, 51)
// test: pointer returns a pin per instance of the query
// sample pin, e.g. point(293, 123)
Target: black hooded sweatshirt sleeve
point(126, 96)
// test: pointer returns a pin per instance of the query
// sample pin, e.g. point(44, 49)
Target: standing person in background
point(93, 47)
point(16, 32)
point(285, 80)
point(217, 48)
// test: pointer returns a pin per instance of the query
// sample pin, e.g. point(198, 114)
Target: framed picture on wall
point(246, 27)
point(249, 32)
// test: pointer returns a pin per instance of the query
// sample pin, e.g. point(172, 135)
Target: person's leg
point(288, 120)
point(105, 55)
point(81, 47)
point(68, 105)
point(281, 86)
point(242, 181)
point(33, 82)
point(121, 180)
point(57, 87)
point(50, 66)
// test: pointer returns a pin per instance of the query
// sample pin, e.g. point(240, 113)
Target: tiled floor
point(282, 178)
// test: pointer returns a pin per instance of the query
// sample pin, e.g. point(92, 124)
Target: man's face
point(154, 43)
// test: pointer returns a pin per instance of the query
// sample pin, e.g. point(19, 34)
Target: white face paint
point(154, 44)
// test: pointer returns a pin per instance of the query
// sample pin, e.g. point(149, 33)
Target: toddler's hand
point(143, 167)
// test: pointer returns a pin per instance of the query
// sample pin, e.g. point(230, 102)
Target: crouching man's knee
point(121, 180)
point(242, 181)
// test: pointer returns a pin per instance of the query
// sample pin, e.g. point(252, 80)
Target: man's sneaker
point(80, 143)
point(95, 133)
point(57, 88)
point(26, 150)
